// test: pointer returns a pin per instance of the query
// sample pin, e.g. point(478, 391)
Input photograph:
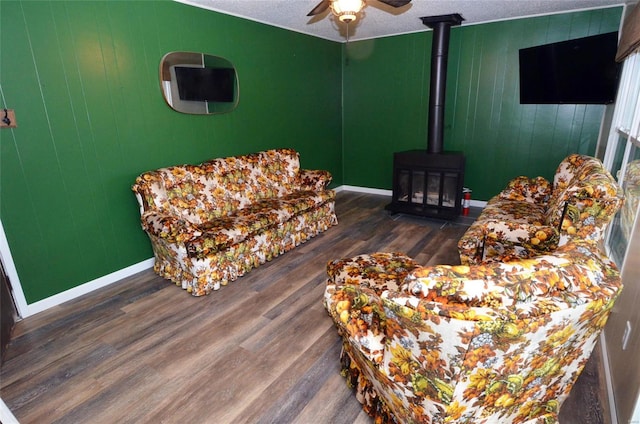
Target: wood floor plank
point(260, 350)
point(296, 384)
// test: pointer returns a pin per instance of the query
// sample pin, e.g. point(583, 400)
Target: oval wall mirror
point(198, 83)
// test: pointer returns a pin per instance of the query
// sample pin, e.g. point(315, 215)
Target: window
point(622, 156)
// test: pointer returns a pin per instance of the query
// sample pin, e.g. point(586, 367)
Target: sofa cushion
point(514, 229)
point(513, 211)
point(225, 231)
point(314, 179)
point(196, 195)
point(187, 191)
point(240, 181)
point(272, 173)
point(532, 190)
point(504, 240)
point(279, 169)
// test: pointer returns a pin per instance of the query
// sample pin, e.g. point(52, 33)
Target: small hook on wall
point(8, 118)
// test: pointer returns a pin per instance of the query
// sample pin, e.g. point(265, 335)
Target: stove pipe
point(441, 26)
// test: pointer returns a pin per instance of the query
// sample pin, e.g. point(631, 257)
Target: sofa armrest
point(314, 179)
point(585, 217)
point(509, 240)
point(532, 190)
point(168, 227)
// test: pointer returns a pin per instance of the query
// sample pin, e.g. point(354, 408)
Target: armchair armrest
point(470, 245)
point(359, 315)
point(532, 190)
point(506, 240)
point(353, 297)
point(168, 227)
point(314, 180)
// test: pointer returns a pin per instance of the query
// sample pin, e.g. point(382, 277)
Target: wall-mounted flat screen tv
point(579, 71)
point(205, 84)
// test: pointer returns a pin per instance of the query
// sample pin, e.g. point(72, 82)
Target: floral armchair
point(501, 342)
point(534, 216)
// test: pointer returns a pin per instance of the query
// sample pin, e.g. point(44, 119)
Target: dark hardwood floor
point(261, 350)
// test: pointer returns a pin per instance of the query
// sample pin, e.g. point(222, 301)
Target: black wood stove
point(429, 182)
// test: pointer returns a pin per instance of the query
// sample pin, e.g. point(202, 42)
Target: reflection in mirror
point(198, 83)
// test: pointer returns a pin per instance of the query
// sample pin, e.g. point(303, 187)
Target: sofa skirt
point(200, 276)
point(365, 391)
point(368, 382)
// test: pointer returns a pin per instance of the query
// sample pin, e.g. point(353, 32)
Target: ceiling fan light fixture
point(347, 10)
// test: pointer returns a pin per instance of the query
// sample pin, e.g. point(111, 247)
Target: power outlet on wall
point(626, 335)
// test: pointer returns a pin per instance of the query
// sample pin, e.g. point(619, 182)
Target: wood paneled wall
point(83, 78)
point(386, 88)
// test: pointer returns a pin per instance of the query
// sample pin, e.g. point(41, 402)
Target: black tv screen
point(205, 84)
point(579, 71)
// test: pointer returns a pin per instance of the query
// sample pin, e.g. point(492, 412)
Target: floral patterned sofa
point(213, 222)
point(500, 342)
point(533, 216)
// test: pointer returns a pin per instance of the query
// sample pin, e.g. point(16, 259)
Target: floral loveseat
point(533, 216)
point(499, 342)
point(213, 222)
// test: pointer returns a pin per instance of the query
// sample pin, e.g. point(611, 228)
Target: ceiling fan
point(347, 10)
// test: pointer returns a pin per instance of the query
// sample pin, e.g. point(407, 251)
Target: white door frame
point(12, 274)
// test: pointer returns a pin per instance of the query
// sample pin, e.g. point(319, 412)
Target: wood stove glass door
point(404, 183)
point(417, 187)
point(449, 189)
point(433, 189)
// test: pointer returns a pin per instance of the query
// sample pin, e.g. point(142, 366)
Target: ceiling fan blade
point(321, 7)
point(395, 3)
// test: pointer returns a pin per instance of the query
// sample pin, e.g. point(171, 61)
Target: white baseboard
point(88, 287)
point(608, 379)
point(365, 190)
point(6, 416)
point(474, 203)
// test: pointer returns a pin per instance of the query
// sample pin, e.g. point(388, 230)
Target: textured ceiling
point(380, 20)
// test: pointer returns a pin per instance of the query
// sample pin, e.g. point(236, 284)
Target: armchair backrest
point(498, 342)
point(584, 199)
point(200, 193)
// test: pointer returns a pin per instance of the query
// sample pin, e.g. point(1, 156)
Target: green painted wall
point(83, 79)
point(386, 92)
